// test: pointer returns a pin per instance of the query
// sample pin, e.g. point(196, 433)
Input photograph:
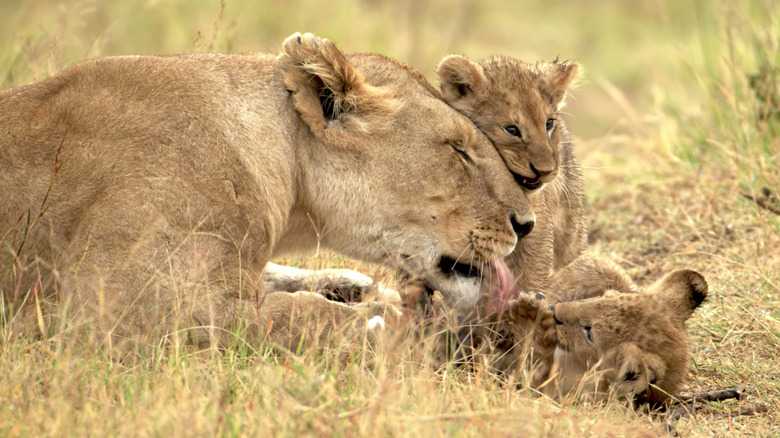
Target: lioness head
point(630, 343)
point(394, 175)
point(516, 105)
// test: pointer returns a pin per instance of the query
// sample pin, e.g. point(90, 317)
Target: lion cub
point(608, 338)
point(517, 106)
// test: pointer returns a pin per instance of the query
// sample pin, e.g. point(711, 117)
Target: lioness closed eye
point(160, 186)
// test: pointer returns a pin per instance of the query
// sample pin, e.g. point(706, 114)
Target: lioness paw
point(376, 323)
point(343, 285)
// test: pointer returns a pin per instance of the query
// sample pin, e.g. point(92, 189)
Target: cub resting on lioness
point(148, 191)
point(516, 104)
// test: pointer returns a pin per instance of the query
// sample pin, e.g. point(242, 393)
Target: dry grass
point(672, 134)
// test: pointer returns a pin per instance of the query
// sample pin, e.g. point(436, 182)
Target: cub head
point(630, 343)
point(389, 173)
point(516, 105)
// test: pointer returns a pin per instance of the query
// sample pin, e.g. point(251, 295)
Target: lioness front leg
point(309, 320)
point(341, 285)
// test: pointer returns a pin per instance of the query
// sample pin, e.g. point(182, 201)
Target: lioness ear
point(461, 82)
point(329, 93)
point(558, 77)
point(684, 289)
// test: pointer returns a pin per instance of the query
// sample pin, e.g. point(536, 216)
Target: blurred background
point(637, 55)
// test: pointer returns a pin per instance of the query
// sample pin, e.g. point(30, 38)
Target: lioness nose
point(521, 228)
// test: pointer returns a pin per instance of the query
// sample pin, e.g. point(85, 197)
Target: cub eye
point(550, 124)
point(512, 130)
point(588, 336)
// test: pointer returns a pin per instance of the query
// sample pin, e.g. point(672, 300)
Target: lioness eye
point(550, 124)
point(512, 130)
point(464, 155)
point(456, 146)
point(588, 336)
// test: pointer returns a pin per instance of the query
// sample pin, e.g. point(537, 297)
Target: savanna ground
point(677, 126)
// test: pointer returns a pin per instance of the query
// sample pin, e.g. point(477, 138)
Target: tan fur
point(504, 91)
point(639, 343)
point(548, 260)
point(633, 327)
point(501, 92)
point(139, 188)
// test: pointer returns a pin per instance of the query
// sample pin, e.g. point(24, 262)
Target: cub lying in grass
point(592, 333)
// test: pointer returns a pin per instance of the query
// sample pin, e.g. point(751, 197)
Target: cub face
point(420, 185)
point(516, 105)
point(630, 343)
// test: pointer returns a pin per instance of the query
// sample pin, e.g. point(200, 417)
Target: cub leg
point(530, 321)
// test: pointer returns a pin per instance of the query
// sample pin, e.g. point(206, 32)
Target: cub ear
point(329, 93)
point(685, 289)
point(461, 82)
point(558, 78)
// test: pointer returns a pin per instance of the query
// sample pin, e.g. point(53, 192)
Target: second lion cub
point(517, 106)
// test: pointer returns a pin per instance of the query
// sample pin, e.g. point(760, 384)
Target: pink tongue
point(505, 290)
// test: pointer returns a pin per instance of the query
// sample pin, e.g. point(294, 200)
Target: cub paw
point(526, 306)
point(530, 315)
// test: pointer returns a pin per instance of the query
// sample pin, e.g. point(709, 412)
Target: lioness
point(517, 106)
point(141, 188)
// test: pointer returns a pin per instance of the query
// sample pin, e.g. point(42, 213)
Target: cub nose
point(523, 227)
point(555, 318)
point(540, 173)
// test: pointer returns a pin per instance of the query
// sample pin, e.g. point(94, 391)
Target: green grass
point(671, 134)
